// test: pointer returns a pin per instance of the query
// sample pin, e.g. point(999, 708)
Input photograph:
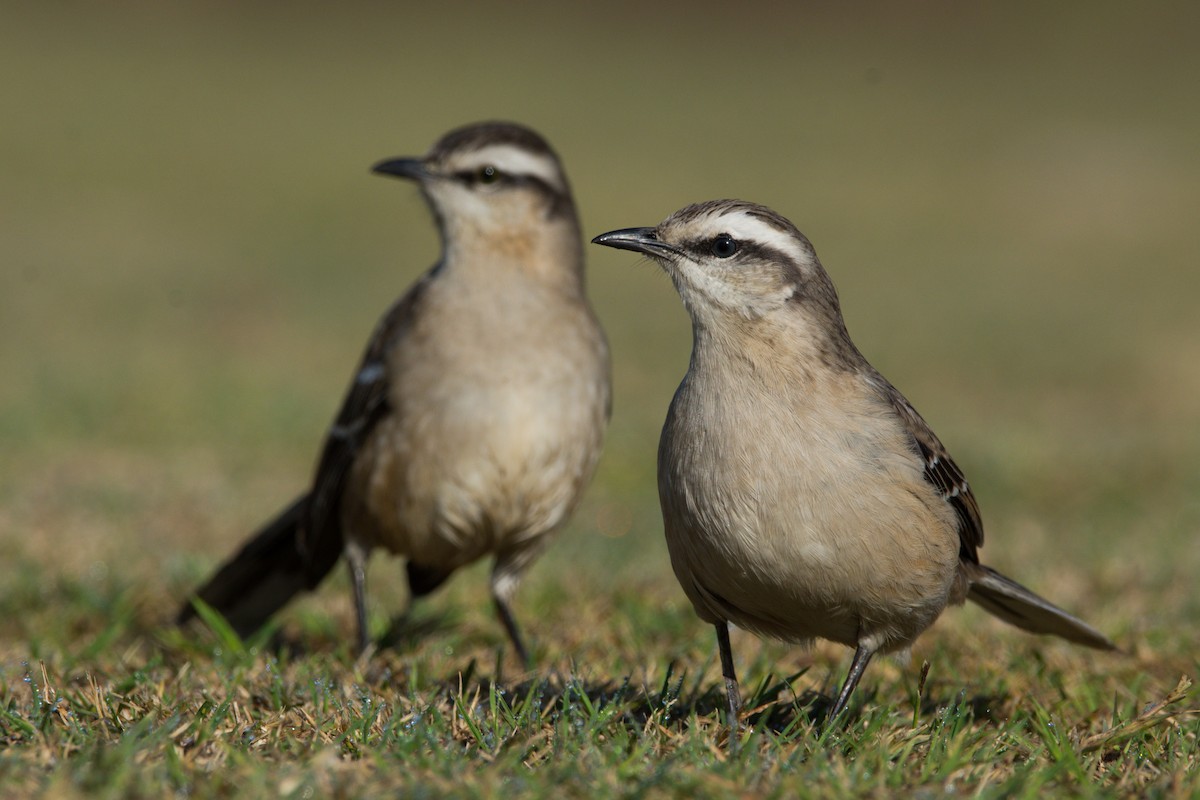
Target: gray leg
point(504, 585)
point(356, 559)
point(732, 694)
point(862, 657)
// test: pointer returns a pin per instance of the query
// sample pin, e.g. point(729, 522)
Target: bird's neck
point(550, 256)
point(763, 355)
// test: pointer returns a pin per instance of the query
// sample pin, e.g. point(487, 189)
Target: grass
point(138, 710)
point(194, 254)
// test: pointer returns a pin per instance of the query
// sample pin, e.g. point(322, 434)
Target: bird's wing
point(366, 403)
point(940, 470)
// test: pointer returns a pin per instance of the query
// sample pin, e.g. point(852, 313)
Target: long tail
point(1016, 605)
point(260, 578)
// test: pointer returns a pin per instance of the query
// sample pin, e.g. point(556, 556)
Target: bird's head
point(495, 182)
point(733, 258)
point(748, 274)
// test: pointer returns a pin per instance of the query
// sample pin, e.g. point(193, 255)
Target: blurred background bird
point(475, 418)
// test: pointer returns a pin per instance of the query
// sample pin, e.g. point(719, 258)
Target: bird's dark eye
point(488, 174)
point(723, 245)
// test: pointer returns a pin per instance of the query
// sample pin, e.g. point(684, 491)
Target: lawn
point(194, 254)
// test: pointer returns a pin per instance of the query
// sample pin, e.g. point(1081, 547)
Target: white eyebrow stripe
point(755, 229)
point(743, 225)
point(517, 161)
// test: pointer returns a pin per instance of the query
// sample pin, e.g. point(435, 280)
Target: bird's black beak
point(411, 168)
point(639, 240)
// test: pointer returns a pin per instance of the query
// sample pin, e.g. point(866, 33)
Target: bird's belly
point(812, 549)
point(805, 586)
point(479, 471)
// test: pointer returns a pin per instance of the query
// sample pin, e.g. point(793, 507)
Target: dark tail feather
point(1016, 605)
point(260, 578)
point(423, 580)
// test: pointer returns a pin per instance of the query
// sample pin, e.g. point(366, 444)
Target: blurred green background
point(193, 254)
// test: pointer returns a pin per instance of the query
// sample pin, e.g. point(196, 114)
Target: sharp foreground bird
point(474, 420)
point(802, 495)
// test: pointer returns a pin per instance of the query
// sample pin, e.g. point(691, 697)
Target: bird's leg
point(356, 559)
point(862, 657)
point(732, 695)
point(504, 584)
point(514, 634)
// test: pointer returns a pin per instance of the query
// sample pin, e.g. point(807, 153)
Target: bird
point(475, 418)
point(803, 497)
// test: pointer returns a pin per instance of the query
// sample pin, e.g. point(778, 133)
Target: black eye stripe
point(491, 175)
point(559, 202)
point(747, 250)
point(485, 174)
